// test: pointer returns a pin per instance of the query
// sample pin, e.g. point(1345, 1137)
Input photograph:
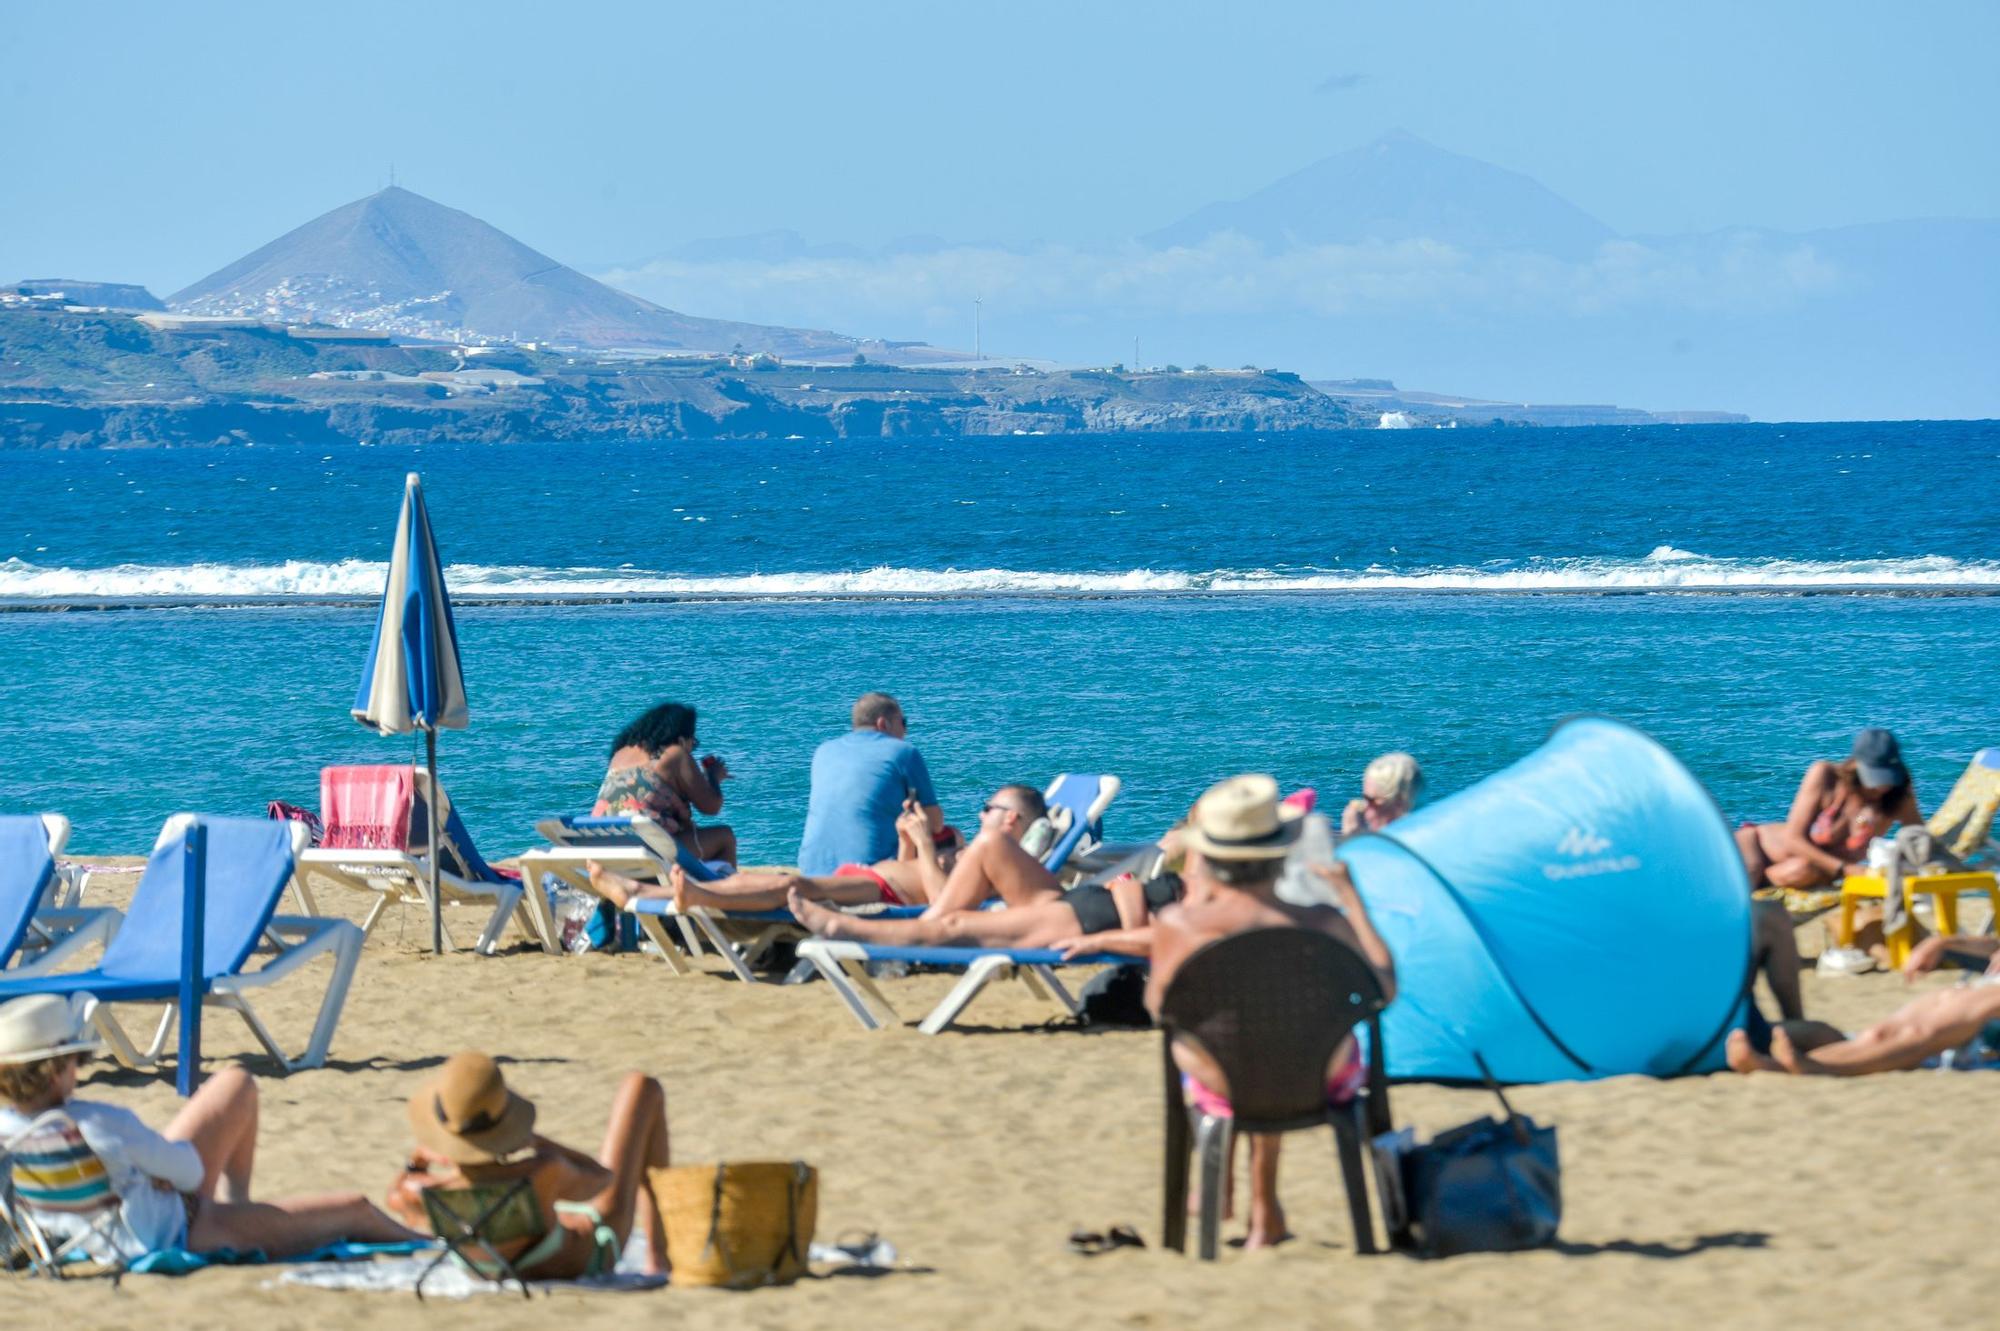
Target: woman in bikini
point(653, 771)
point(471, 1130)
point(1838, 809)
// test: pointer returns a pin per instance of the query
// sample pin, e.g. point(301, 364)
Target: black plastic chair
point(1270, 1007)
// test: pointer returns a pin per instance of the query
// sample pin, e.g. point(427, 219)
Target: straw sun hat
point(1241, 819)
point(44, 1026)
point(467, 1114)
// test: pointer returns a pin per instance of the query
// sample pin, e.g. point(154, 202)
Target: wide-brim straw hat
point(39, 1027)
point(466, 1113)
point(1241, 819)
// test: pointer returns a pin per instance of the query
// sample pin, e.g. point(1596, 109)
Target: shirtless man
point(1966, 1018)
point(1236, 843)
point(922, 874)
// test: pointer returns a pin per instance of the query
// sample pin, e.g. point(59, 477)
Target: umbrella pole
point(437, 902)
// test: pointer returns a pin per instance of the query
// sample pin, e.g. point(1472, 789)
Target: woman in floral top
point(654, 771)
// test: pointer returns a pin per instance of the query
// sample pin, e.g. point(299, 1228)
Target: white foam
point(1664, 569)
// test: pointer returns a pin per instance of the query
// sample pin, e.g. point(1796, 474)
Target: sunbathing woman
point(187, 1187)
point(1838, 808)
point(653, 771)
point(472, 1130)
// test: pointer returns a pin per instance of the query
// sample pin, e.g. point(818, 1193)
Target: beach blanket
point(452, 1281)
point(366, 808)
point(449, 1281)
point(180, 1262)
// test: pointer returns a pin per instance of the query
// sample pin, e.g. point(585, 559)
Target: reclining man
point(1963, 1022)
point(922, 874)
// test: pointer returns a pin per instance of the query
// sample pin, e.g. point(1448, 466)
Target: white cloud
point(1227, 275)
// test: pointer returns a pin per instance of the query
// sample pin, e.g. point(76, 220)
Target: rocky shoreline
point(101, 379)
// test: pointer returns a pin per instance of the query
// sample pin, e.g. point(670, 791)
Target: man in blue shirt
point(859, 783)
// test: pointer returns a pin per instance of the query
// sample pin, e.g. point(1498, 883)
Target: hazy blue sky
point(156, 142)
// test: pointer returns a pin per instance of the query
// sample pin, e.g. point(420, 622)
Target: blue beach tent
point(1582, 913)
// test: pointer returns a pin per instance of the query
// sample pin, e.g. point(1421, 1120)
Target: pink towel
point(366, 808)
point(1303, 799)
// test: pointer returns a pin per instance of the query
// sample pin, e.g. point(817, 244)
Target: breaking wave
point(1665, 569)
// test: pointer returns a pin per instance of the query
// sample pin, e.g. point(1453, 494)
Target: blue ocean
point(186, 630)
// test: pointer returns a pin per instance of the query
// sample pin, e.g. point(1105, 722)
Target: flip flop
point(1089, 1243)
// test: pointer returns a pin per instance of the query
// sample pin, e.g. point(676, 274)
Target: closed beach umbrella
point(412, 679)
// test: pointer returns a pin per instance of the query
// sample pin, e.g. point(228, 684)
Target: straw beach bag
point(738, 1225)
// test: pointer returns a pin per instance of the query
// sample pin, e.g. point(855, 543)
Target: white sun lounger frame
point(401, 877)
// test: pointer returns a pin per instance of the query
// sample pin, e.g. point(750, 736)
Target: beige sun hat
point(43, 1026)
point(466, 1113)
point(1241, 819)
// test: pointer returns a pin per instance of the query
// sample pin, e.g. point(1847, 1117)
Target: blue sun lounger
point(250, 862)
point(34, 935)
point(845, 967)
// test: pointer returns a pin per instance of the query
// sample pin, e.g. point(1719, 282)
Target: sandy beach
point(1731, 1201)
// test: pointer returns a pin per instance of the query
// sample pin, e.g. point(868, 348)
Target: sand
point(1726, 1201)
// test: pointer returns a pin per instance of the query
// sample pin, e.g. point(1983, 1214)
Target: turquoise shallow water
point(1363, 595)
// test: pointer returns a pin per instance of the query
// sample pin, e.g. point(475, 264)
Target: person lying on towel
point(472, 1130)
point(185, 1188)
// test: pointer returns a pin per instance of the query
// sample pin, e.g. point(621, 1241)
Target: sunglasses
point(1003, 808)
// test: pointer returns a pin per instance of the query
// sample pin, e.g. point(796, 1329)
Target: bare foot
point(823, 922)
point(1744, 1059)
point(1267, 1228)
point(678, 880)
point(1790, 1057)
point(615, 888)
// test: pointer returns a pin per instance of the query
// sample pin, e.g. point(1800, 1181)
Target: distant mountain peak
point(398, 262)
point(1400, 187)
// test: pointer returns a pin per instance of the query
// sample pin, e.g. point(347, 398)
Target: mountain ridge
point(400, 263)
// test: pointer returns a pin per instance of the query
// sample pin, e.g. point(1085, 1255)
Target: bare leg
point(1776, 948)
point(220, 1121)
point(635, 1140)
point(1035, 925)
point(617, 888)
point(994, 865)
point(1743, 1057)
point(1924, 1026)
point(715, 843)
point(1755, 862)
point(293, 1225)
point(1267, 1218)
point(769, 891)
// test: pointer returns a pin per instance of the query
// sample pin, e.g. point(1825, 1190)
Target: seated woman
point(1838, 809)
point(472, 1130)
point(923, 874)
point(187, 1187)
point(653, 771)
point(1389, 789)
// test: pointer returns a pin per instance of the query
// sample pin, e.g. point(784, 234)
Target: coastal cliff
point(97, 379)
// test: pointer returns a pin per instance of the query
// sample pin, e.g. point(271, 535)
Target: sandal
point(1089, 1243)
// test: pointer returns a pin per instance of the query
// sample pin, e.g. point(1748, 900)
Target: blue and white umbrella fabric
point(412, 680)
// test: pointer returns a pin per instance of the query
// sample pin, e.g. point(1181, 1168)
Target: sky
point(155, 143)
